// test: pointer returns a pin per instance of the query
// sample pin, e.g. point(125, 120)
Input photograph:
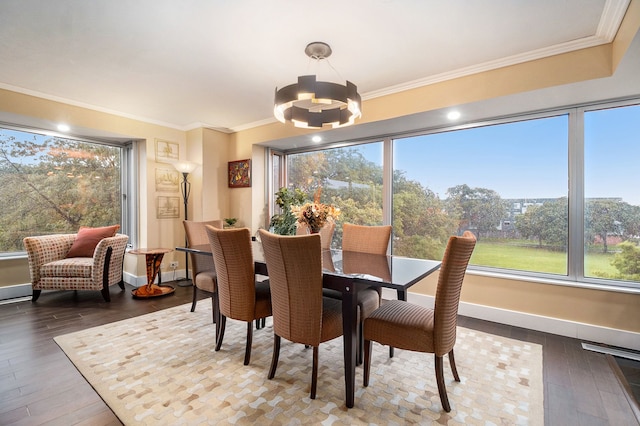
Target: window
point(350, 178)
point(50, 184)
point(507, 183)
point(611, 195)
point(547, 195)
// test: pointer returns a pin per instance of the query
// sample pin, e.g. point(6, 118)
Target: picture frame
point(167, 180)
point(166, 151)
point(240, 174)
point(167, 207)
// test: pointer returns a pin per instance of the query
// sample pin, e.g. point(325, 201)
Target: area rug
point(161, 369)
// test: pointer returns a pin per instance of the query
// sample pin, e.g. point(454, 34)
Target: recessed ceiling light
point(64, 127)
point(316, 138)
point(453, 115)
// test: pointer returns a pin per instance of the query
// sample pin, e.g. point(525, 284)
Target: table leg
point(349, 327)
point(402, 295)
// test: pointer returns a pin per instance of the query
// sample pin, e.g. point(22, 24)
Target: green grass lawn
point(522, 258)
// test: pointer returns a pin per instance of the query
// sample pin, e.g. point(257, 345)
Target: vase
point(313, 229)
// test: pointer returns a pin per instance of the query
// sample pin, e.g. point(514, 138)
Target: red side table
point(153, 257)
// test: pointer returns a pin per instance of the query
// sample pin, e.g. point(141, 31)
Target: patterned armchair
point(50, 269)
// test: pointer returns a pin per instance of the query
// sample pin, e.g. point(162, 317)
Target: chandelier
point(311, 104)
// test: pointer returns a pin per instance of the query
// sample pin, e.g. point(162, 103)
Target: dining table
point(348, 272)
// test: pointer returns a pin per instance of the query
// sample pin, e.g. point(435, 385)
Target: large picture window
point(612, 198)
point(550, 196)
point(50, 184)
point(507, 183)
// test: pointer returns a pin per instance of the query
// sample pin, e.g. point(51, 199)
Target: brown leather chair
point(240, 296)
point(203, 271)
point(300, 313)
point(372, 240)
point(408, 326)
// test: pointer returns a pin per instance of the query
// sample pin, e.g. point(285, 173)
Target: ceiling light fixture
point(311, 104)
point(63, 127)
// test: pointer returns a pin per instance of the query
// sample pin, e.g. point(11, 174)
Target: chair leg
point(223, 323)
point(442, 389)
point(367, 362)
point(247, 351)
point(121, 284)
point(216, 313)
point(258, 324)
point(452, 363)
point(105, 294)
point(195, 298)
point(105, 276)
point(314, 373)
point(390, 351)
point(360, 343)
point(35, 295)
point(276, 355)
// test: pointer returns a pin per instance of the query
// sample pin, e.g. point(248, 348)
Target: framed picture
point(168, 207)
point(167, 180)
point(166, 151)
point(240, 174)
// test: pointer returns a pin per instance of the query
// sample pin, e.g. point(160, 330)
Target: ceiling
point(216, 64)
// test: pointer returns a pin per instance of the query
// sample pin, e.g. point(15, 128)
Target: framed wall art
point(167, 180)
point(168, 207)
point(167, 152)
point(240, 174)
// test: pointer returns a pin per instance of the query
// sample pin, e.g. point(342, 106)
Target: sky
point(527, 159)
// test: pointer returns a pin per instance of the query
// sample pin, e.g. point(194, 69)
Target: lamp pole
point(185, 167)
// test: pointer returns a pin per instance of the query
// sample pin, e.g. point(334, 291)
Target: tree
point(602, 218)
point(627, 262)
point(54, 185)
point(480, 209)
point(547, 223)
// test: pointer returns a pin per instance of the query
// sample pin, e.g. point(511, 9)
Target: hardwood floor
point(39, 385)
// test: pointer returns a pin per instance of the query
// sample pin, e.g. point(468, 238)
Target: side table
point(153, 257)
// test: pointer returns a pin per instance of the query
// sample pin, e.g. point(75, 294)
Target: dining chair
point(240, 295)
point(371, 240)
point(301, 314)
point(203, 270)
point(326, 233)
point(412, 327)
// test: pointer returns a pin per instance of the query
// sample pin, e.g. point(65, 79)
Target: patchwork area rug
point(161, 368)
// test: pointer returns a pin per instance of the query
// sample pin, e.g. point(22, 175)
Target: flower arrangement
point(315, 214)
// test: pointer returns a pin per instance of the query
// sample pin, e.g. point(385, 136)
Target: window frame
point(575, 146)
point(128, 180)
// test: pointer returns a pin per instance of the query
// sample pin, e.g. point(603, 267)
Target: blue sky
point(527, 159)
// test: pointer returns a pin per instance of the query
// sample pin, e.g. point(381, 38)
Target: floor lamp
point(185, 167)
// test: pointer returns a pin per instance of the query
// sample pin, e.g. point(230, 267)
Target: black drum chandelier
point(312, 104)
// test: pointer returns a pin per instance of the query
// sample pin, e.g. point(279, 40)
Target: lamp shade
point(185, 166)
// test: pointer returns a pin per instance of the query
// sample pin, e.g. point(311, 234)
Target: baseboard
point(15, 291)
point(582, 331)
point(138, 281)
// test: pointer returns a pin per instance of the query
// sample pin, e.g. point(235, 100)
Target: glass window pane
point(349, 178)
point(612, 198)
point(507, 183)
point(54, 185)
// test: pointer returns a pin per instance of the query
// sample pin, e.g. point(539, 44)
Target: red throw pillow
point(88, 238)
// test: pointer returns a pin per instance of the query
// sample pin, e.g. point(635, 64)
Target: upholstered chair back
point(454, 265)
point(295, 273)
point(366, 239)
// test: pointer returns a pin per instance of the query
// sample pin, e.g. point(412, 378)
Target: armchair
point(50, 269)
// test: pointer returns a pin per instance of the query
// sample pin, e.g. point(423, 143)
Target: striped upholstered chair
point(300, 313)
point(203, 271)
point(240, 295)
point(370, 240)
point(412, 327)
point(53, 267)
